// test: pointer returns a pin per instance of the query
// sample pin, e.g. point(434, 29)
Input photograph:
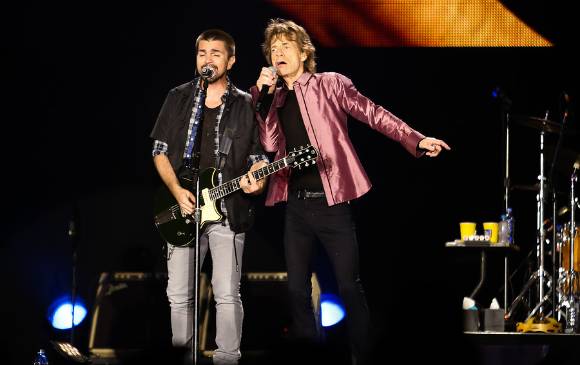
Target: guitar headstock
point(302, 156)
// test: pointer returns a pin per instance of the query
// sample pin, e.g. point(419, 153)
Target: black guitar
point(179, 230)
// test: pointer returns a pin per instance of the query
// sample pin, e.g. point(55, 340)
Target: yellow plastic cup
point(491, 229)
point(466, 229)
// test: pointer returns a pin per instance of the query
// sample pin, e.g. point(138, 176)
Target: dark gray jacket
point(172, 125)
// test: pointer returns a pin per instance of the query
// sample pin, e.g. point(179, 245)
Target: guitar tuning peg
point(306, 164)
point(301, 147)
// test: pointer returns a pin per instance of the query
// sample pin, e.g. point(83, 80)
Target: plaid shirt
point(160, 147)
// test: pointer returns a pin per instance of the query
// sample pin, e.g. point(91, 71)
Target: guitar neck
point(234, 184)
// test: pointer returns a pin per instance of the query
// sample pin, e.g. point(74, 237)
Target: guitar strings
point(223, 190)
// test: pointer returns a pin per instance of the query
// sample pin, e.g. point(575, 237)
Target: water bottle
point(40, 358)
point(506, 228)
point(510, 226)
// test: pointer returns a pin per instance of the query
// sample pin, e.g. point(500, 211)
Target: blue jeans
point(226, 290)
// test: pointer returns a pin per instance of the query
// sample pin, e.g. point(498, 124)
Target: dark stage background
point(82, 85)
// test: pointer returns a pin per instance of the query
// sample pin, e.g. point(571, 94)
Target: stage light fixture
point(332, 310)
point(60, 313)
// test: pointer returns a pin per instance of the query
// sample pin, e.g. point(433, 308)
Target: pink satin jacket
point(326, 100)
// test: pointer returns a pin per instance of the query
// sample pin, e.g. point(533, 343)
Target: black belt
point(307, 194)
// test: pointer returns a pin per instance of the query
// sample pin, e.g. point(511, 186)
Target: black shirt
point(293, 125)
point(208, 138)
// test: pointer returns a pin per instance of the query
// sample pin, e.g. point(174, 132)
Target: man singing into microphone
point(206, 123)
point(312, 108)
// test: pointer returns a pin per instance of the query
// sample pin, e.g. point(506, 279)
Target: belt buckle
point(314, 194)
point(301, 194)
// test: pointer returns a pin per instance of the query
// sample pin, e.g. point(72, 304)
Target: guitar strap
point(190, 167)
point(190, 163)
point(225, 146)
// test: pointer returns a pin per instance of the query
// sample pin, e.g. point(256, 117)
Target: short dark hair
point(294, 32)
point(218, 35)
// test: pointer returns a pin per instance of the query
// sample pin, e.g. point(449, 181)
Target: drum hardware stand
point(527, 286)
point(554, 248)
point(505, 106)
point(541, 275)
point(555, 269)
point(568, 299)
point(572, 310)
point(540, 221)
point(562, 297)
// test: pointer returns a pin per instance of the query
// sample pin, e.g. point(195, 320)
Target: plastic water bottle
point(506, 228)
point(40, 358)
point(510, 223)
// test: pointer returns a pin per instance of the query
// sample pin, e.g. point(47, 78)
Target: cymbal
point(563, 210)
point(537, 123)
point(534, 188)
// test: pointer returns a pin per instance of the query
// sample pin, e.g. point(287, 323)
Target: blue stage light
point(60, 315)
point(332, 310)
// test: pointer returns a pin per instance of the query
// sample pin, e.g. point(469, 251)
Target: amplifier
point(266, 313)
point(131, 315)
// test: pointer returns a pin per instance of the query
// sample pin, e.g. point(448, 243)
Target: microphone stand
point(197, 219)
point(73, 234)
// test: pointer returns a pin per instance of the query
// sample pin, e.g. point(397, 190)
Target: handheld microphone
point(263, 92)
point(208, 71)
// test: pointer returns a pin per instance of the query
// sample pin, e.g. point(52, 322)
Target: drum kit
point(552, 292)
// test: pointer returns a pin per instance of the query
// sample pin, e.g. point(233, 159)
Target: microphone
point(263, 92)
point(208, 71)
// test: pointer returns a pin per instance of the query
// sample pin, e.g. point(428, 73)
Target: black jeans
point(309, 220)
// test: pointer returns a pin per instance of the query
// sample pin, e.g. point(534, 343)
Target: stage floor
point(525, 348)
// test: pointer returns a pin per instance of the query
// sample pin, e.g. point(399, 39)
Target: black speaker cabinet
point(131, 315)
point(266, 312)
